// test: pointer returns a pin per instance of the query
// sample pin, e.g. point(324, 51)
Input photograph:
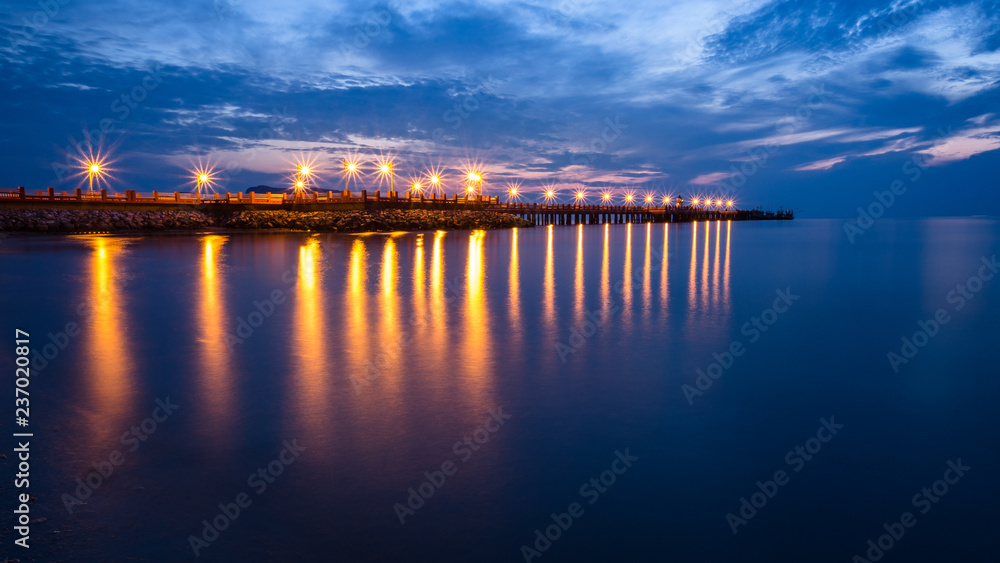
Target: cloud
point(700, 87)
point(711, 178)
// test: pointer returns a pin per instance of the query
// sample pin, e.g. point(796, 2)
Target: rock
point(86, 220)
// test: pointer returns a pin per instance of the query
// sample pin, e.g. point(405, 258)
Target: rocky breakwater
point(68, 221)
point(74, 221)
point(373, 220)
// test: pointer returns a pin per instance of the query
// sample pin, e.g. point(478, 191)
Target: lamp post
point(93, 169)
point(476, 177)
point(385, 169)
point(350, 169)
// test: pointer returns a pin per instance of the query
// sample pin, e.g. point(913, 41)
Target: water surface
point(379, 353)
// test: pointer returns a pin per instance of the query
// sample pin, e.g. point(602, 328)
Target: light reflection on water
point(391, 347)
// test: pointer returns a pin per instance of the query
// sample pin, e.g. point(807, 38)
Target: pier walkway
point(539, 213)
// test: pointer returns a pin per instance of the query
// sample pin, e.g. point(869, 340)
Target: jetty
point(538, 213)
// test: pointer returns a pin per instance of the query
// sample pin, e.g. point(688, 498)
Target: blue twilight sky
point(806, 104)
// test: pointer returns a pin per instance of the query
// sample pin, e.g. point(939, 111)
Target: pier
point(346, 200)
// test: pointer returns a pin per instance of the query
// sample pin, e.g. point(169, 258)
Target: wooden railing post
point(364, 195)
point(251, 197)
point(20, 192)
point(79, 194)
point(52, 194)
point(104, 195)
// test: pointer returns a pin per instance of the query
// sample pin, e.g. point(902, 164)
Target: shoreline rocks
point(367, 220)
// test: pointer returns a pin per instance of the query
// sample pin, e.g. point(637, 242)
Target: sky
point(821, 107)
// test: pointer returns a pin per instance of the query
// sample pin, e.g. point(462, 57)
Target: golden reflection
point(109, 362)
point(549, 288)
point(357, 324)
point(514, 297)
point(578, 281)
point(664, 281)
point(310, 349)
point(386, 338)
point(419, 295)
point(605, 278)
point(647, 290)
point(627, 275)
point(715, 267)
point(215, 353)
point(478, 346)
point(692, 288)
point(703, 282)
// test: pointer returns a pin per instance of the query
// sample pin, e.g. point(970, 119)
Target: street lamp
point(93, 169)
point(350, 169)
point(385, 169)
point(476, 177)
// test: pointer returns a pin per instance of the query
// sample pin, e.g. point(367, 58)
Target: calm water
point(379, 353)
